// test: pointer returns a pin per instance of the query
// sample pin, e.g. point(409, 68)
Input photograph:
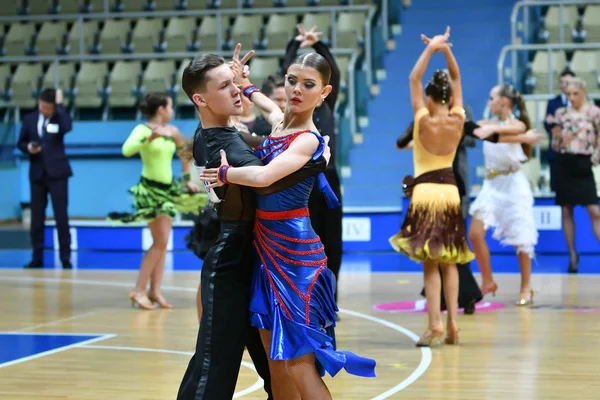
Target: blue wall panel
point(362, 233)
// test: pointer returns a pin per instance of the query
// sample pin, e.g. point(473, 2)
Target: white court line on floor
point(256, 386)
point(417, 373)
point(108, 335)
point(53, 351)
point(90, 282)
point(425, 353)
point(56, 322)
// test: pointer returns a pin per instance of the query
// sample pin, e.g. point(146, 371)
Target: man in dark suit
point(554, 104)
point(42, 138)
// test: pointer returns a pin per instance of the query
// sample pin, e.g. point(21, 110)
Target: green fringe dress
point(157, 192)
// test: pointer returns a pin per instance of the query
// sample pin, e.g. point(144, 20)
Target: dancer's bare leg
point(433, 292)
point(482, 255)
point(568, 224)
point(160, 229)
point(450, 276)
point(283, 386)
point(152, 257)
point(307, 379)
point(526, 295)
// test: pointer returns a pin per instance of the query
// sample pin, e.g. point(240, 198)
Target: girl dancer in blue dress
point(293, 290)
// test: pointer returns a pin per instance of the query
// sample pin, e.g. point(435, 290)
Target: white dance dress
point(505, 202)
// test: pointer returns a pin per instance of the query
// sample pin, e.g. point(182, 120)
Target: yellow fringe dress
point(434, 226)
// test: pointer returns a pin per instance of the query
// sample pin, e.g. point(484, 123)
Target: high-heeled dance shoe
point(489, 289)
point(469, 309)
point(431, 338)
point(574, 267)
point(452, 336)
point(141, 300)
point(525, 299)
point(160, 300)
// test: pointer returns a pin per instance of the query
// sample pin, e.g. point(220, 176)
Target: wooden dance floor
point(74, 335)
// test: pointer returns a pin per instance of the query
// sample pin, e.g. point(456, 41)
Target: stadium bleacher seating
point(78, 30)
point(579, 24)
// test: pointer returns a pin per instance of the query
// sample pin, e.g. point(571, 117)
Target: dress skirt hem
point(291, 339)
point(152, 198)
point(434, 225)
point(433, 233)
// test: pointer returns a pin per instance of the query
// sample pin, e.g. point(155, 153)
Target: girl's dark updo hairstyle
point(317, 62)
point(151, 102)
point(510, 92)
point(438, 87)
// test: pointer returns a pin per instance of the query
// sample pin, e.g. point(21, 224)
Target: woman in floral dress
point(576, 140)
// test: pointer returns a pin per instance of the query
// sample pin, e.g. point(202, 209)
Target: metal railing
point(178, 56)
point(82, 55)
point(6, 143)
point(524, 26)
point(514, 48)
point(351, 109)
point(385, 19)
point(526, 4)
point(106, 9)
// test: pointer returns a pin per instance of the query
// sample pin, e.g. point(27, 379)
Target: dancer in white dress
point(505, 202)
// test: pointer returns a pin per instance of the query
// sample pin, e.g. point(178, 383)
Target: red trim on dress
point(266, 246)
point(279, 143)
point(281, 215)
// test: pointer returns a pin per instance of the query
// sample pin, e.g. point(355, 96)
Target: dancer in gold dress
point(434, 227)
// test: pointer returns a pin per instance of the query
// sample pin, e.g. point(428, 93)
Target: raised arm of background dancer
point(469, 132)
point(137, 138)
point(183, 152)
point(513, 127)
point(405, 140)
point(322, 49)
point(416, 77)
point(290, 54)
point(530, 137)
point(490, 134)
point(453, 70)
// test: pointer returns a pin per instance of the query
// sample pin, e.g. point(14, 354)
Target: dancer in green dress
point(157, 197)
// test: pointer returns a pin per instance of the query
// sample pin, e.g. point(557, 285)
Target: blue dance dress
point(292, 288)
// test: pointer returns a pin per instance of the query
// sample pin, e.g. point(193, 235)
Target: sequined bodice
point(296, 196)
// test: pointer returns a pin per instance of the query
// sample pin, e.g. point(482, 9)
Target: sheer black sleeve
point(322, 49)
point(470, 127)
point(253, 141)
point(311, 168)
point(262, 127)
point(468, 141)
point(290, 54)
point(406, 137)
